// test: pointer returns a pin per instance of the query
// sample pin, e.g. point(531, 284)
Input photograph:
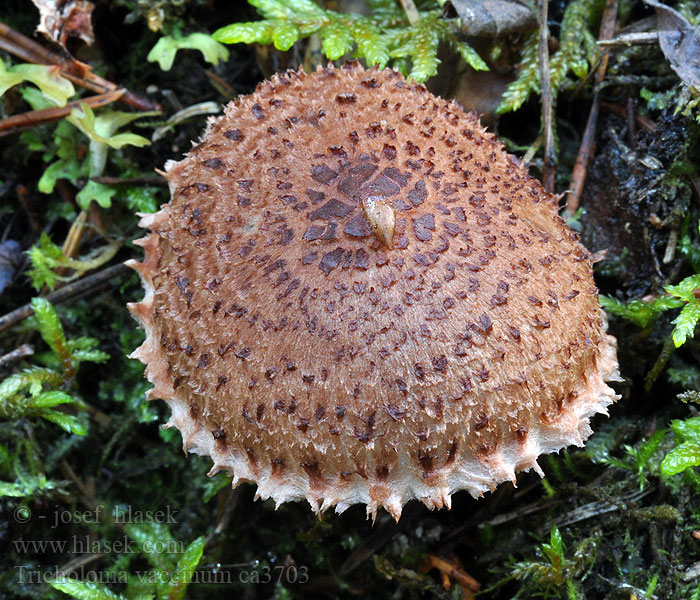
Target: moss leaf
point(679, 459)
point(685, 323)
point(165, 49)
point(84, 590)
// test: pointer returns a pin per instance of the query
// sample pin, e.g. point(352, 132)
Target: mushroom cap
point(356, 295)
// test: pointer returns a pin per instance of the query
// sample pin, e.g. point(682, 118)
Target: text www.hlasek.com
point(85, 544)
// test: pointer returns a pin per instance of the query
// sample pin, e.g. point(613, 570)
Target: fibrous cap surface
point(356, 296)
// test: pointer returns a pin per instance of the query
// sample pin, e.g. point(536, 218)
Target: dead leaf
point(680, 43)
point(63, 19)
point(491, 18)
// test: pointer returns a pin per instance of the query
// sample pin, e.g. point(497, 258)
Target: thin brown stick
point(77, 288)
point(578, 177)
point(75, 235)
point(98, 416)
point(695, 181)
point(630, 115)
point(87, 496)
point(22, 47)
point(26, 204)
point(409, 7)
point(79, 561)
point(585, 152)
point(157, 180)
point(71, 244)
point(32, 118)
point(28, 50)
point(222, 523)
point(546, 88)
point(640, 120)
point(77, 72)
point(631, 39)
point(222, 86)
point(20, 352)
point(452, 571)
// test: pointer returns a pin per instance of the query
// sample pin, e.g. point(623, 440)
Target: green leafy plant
point(46, 257)
point(166, 48)
point(62, 151)
point(26, 485)
point(554, 574)
point(681, 99)
point(62, 154)
point(102, 131)
point(86, 590)
point(385, 37)
point(643, 313)
point(47, 78)
point(688, 318)
point(686, 296)
point(576, 54)
point(68, 354)
point(173, 566)
point(39, 391)
point(687, 453)
point(640, 458)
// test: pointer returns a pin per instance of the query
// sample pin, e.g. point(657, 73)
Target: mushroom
point(356, 295)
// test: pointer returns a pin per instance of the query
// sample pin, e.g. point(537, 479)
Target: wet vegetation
point(98, 502)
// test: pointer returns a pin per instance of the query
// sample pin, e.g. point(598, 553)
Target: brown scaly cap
point(356, 296)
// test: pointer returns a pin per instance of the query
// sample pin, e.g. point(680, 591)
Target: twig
point(22, 47)
point(518, 513)
point(628, 590)
point(230, 504)
point(595, 509)
point(201, 108)
point(640, 120)
point(384, 533)
point(695, 182)
point(20, 352)
point(75, 234)
point(660, 363)
point(77, 288)
point(102, 418)
point(157, 180)
point(409, 7)
point(532, 150)
point(630, 39)
point(546, 87)
point(630, 115)
point(94, 259)
point(648, 81)
point(88, 498)
point(25, 120)
point(79, 561)
point(670, 247)
point(607, 28)
point(79, 73)
point(221, 85)
point(466, 581)
point(640, 26)
point(25, 203)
